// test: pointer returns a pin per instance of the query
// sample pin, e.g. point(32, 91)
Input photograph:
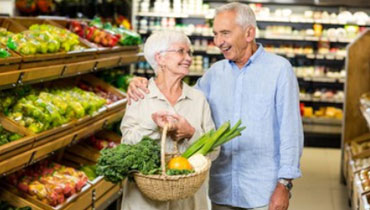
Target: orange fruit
point(179, 163)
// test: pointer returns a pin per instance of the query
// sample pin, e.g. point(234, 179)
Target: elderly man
point(256, 170)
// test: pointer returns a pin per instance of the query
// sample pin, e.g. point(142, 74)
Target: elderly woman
point(169, 54)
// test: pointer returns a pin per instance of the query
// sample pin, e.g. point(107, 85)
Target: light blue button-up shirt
point(264, 95)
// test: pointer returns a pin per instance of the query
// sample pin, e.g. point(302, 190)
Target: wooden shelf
point(15, 78)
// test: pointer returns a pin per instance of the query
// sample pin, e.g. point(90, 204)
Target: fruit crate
point(37, 60)
point(78, 200)
point(116, 93)
point(89, 149)
point(10, 63)
point(18, 146)
point(99, 185)
point(53, 131)
point(103, 52)
point(16, 27)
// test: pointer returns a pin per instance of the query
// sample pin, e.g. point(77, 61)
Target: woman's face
point(177, 59)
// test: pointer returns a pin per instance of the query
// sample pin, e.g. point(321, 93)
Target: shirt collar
point(255, 55)
point(156, 93)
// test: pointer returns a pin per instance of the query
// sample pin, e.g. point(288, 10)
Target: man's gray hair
point(244, 14)
point(161, 41)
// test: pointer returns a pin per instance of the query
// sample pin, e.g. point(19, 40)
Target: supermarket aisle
point(319, 187)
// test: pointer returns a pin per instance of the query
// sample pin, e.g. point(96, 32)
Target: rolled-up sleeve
point(290, 123)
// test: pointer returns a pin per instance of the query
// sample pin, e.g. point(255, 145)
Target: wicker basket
point(166, 188)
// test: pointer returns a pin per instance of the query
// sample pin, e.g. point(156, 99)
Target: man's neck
point(251, 49)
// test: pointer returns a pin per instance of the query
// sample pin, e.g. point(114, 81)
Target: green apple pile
point(44, 39)
point(46, 108)
point(7, 136)
point(5, 35)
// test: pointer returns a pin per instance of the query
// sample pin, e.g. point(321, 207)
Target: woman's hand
point(135, 90)
point(178, 127)
point(163, 118)
point(183, 129)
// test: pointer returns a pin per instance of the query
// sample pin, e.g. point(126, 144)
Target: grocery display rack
point(356, 131)
point(52, 69)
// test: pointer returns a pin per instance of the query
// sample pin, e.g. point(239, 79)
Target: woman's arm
point(132, 127)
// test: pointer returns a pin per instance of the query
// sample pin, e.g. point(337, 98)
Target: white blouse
point(138, 122)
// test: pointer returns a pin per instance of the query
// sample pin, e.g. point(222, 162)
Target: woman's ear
point(159, 59)
point(250, 33)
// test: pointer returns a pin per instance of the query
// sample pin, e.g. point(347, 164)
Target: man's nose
point(218, 41)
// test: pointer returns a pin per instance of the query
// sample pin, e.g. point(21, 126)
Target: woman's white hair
point(244, 14)
point(161, 41)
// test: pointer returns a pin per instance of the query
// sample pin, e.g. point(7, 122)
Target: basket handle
point(163, 148)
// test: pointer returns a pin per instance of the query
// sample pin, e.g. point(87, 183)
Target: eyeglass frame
point(181, 51)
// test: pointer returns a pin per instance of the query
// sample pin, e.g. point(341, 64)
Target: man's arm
point(290, 135)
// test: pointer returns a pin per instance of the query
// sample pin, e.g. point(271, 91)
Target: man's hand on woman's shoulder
point(137, 88)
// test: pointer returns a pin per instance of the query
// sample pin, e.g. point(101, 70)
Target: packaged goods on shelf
point(118, 78)
point(322, 112)
point(43, 39)
point(365, 107)
point(90, 147)
point(43, 109)
point(49, 182)
point(104, 34)
point(8, 136)
point(323, 95)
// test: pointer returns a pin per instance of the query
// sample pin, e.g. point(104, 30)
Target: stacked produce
point(100, 144)
point(104, 34)
point(118, 78)
point(49, 182)
point(100, 91)
point(43, 39)
point(6, 206)
point(90, 171)
point(45, 108)
point(7, 136)
point(365, 179)
point(117, 163)
point(4, 53)
point(5, 35)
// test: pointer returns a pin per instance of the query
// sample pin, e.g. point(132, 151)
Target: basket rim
point(175, 177)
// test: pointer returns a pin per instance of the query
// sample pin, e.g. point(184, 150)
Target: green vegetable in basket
point(172, 172)
point(117, 163)
point(213, 139)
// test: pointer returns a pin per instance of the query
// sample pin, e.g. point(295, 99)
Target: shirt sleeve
point(131, 128)
point(290, 124)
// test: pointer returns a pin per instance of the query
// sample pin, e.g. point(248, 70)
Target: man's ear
point(250, 33)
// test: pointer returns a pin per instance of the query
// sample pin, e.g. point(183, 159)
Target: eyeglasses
point(181, 52)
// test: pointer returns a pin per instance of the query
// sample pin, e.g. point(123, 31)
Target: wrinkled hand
point(280, 198)
point(135, 90)
point(163, 118)
point(183, 129)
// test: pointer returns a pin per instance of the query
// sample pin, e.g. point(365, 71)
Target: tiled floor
point(319, 187)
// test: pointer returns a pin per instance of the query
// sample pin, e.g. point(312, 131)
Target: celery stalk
point(208, 145)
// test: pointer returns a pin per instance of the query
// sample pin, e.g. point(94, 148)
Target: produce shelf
point(68, 137)
point(40, 74)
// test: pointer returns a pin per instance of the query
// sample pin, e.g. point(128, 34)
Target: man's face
point(229, 36)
